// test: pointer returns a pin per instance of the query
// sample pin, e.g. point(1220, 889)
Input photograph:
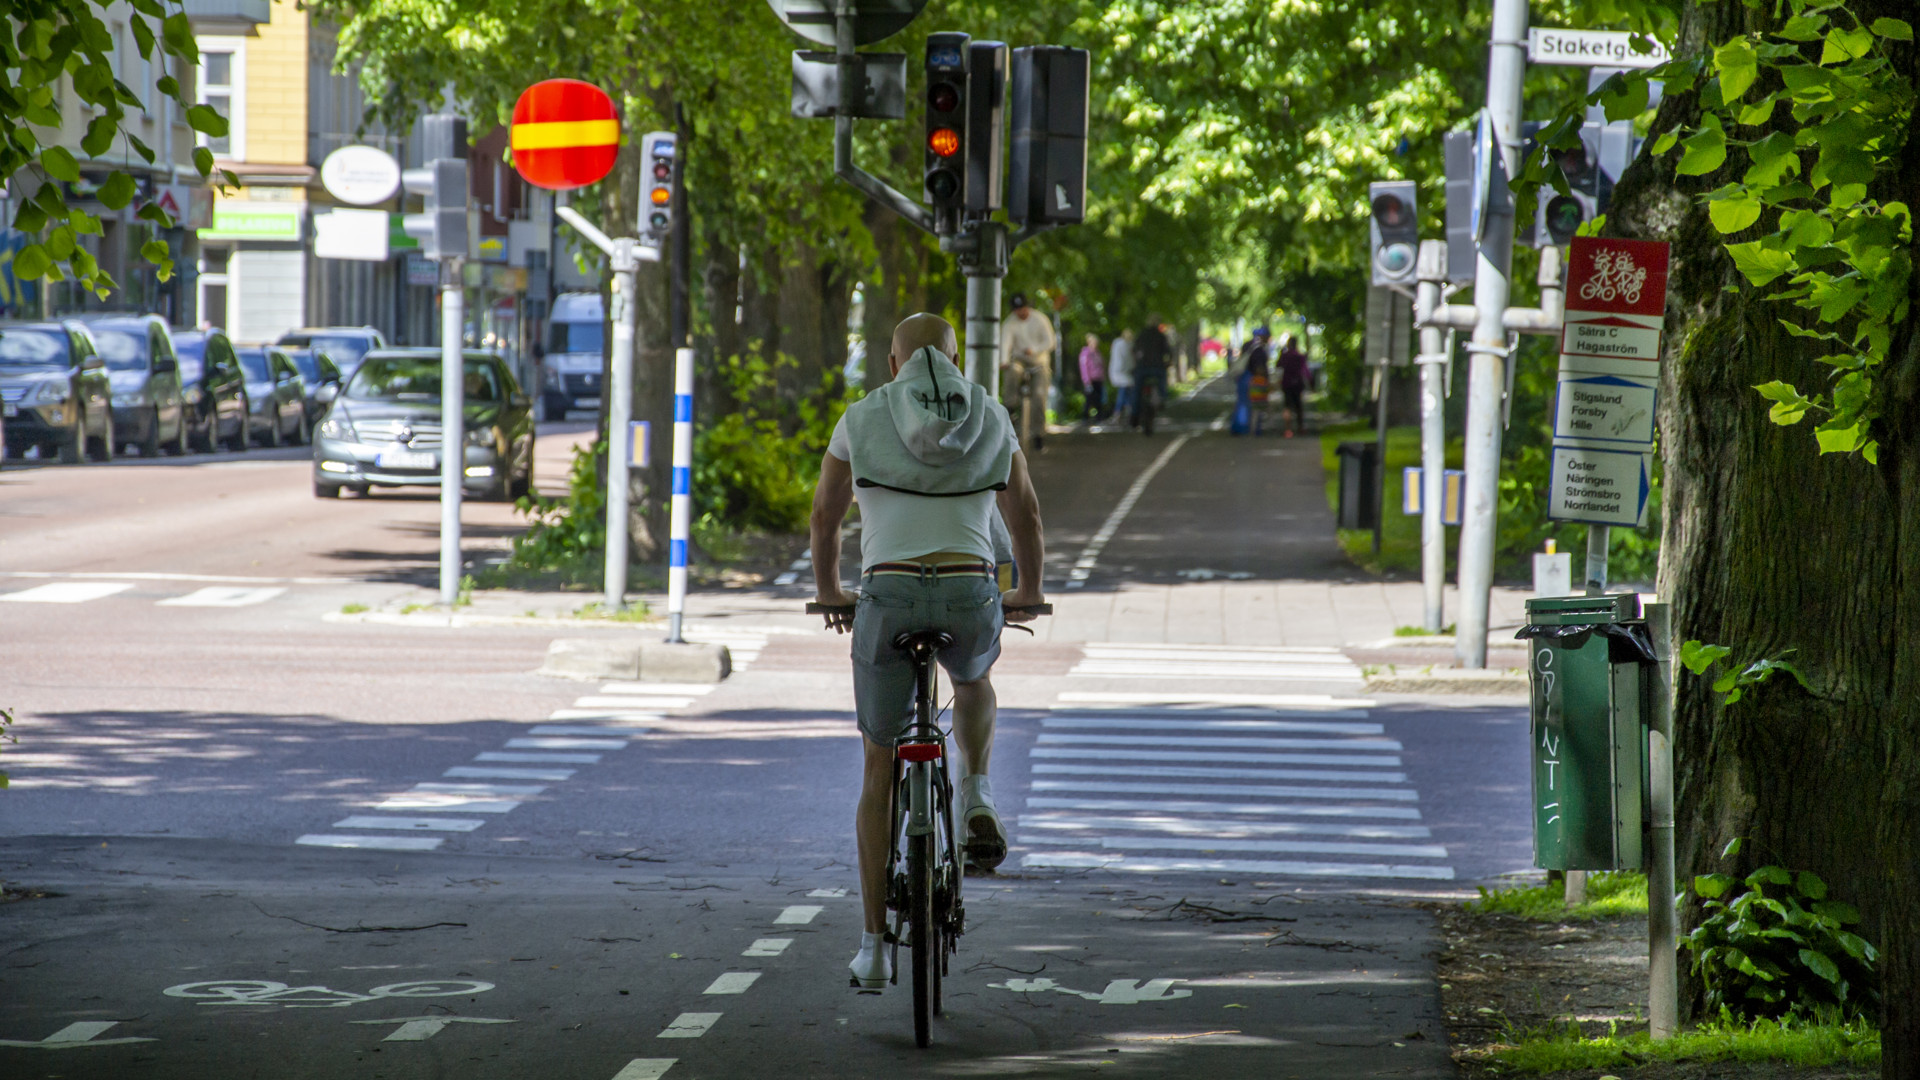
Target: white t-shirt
point(895, 526)
point(1120, 363)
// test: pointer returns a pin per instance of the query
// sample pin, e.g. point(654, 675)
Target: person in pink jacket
point(1093, 374)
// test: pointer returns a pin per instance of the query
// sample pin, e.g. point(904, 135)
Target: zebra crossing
point(1297, 785)
point(1255, 663)
point(81, 592)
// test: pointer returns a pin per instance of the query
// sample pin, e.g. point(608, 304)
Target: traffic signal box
point(441, 226)
point(1048, 161)
point(1590, 667)
point(662, 150)
point(1590, 170)
point(986, 120)
point(1395, 231)
point(946, 159)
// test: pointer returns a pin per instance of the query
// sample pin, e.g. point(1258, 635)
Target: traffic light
point(1394, 230)
point(946, 172)
point(1048, 159)
point(661, 150)
point(441, 226)
point(1462, 249)
point(986, 110)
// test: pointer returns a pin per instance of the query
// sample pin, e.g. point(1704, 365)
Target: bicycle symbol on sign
point(1615, 275)
point(263, 992)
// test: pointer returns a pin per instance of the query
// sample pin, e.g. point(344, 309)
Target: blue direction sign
point(1599, 487)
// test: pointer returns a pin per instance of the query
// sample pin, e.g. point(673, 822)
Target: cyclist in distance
point(929, 455)
point(1026, 349)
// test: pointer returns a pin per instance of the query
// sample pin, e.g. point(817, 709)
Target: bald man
point(929, 455)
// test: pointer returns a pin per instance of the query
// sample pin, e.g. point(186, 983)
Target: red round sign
point(565, 134)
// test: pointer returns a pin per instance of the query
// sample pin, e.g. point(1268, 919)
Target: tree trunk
point(883, 311)
point(721, 278)
point(1768, 547)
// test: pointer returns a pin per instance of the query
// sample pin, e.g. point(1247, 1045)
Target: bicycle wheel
point(922, 932)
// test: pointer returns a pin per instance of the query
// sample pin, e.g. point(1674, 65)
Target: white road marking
point(66, 592)
point(830, 894)
point(567, 742)
point(1173, 697)
point(1401, 813)
point(680, 689)
point(585, 729)
point(237, 579)
point(1090, 556)
point(484, 773)
point(557, 759)
point(373, 843)
point(733, 982)
point(645, 1069)
point(631, 701)
point(1118, 991)
point(1171, 648)
point(223, 596)
point(435, 800)
point(768, 946)
point(689, 1025)
point(1203, 722)
point(1201, 772)
point(1221, 741)
point(422, 824)
point(1271, 791)
point(1222, 827)
point(1097, 753)
point(491, 790)
point(1210, 845)
point(1141, 669)
point(422, 1028)
point(79, 1033)
point(797, 915)
point(608, 715)
point(1076, 860)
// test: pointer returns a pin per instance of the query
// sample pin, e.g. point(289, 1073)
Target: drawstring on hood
point(930, 432)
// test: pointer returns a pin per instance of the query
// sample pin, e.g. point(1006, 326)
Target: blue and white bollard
point(681, 523)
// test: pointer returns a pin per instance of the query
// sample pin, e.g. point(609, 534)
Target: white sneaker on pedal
point(872, 966)
point(984, 838)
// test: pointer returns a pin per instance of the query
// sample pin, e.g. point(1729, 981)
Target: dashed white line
point(532, 759)
point(631, 702)
point(586, 729)
point(645, 1069)
point(574, 744)
point(797, 915)
point(732, 982)
point(1083, 566)
point(420, 824)
point(222, 596)
point(830, 894)
point(66, 592)
point(487, 773)
point(374, 843)
point(768, 946)
point(689, 1025)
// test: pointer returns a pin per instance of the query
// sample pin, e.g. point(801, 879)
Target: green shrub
point(567, 534)
point(1609, 895)
point(1780, 953)
point(1792, 1040)
point(755, 469)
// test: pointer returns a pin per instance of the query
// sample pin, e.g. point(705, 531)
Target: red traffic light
point(943, 97)
point(1391, 211)
point(944, 141)
point(662, 170)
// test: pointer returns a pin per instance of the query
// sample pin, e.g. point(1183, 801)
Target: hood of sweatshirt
point(930, 432)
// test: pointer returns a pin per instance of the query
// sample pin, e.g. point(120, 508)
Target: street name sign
point(1591, 48)
point(1599, 487)
point(565, 134)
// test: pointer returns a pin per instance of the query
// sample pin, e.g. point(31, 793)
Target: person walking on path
point(1093, 375)
point(1026, 353)
point(1120, 375)
point(1151, 354)
point(1293, 385)
point(1250, 386)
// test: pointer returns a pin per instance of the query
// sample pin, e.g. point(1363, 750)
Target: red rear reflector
point(920, 752)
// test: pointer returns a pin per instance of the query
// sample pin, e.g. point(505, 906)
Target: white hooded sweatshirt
point(928, 451)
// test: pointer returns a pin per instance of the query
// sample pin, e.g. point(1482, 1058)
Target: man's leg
point(872, 823)
point(974, 711)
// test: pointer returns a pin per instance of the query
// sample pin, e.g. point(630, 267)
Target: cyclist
point(929, 455)
point(1152, 352)
point(1026, 349)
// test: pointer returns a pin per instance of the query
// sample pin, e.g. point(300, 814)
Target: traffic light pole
point(1432, 363)
point(453, 434)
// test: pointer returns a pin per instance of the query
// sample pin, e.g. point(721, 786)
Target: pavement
point(272, 834)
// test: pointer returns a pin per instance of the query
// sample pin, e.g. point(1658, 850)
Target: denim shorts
point(966, 606)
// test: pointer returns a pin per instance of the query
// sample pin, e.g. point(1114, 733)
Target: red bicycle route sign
point(1616, 300)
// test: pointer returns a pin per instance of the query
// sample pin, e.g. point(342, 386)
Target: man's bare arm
point(1020, 507)
point(831, 497)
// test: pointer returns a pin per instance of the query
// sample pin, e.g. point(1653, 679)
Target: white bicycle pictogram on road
point(1615, 276)
point(265, 992)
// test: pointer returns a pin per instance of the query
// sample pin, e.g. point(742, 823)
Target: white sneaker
point(984, 838)
point(872, 966)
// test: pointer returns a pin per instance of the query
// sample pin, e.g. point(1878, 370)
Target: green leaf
point(1738, 67)
point(1759, 264)
point(1731, 213)
point(169, 86)
point(1790, 406)
point(203, 160)
point(60, 243)
point(1803, 28)
point(99, 137)
point(152, 212)
point(1842, 440)
point(207, 119)
point(1710, 886)
point(177, 33)
point(1757, 113)
point(1698, 656)
point(1806, 228)
point(1844, 45)
point(1810, 885)
point(1895, 29)
point(1704, 150)
point(1664, 143)
point(1769, 875)
point(1733, 847)
point(83, 223)
point(1820, 965)
point(29, 218)
point(118, 191)
point(59, 164)
point(31, 262)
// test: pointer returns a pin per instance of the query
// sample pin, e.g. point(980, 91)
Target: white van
point(576, 352)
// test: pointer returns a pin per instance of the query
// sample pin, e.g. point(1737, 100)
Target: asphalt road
point(289, 845)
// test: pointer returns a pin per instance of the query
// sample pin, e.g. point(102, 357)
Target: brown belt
point(932, 570)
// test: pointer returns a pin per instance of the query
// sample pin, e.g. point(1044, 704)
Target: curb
point(1448, 681)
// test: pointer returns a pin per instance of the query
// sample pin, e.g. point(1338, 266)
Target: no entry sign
point(565, 134)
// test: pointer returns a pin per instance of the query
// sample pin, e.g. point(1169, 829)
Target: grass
point(1610, 895)
point(352, 609)
point(412, 608)
point(636, 612)
point(1399, 533)
point(1419, 631)
point(1805, 1043)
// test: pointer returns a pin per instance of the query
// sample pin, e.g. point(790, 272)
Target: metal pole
point(983, 330)
point(1663, 930)
point(1378, 495)
point(1433, 463)
point(1597, 537)
point(453, 433)
point(619, 423)
point(680, 525)
point(1506, 70)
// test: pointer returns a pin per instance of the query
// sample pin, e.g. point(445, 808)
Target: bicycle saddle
point(931, 639)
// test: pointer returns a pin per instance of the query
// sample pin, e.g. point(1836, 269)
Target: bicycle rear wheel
point(923, 934)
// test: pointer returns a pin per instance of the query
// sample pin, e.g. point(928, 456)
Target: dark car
point(345, 344)
point(148, 410)
point(214, 388)
point(317, 369)
point(276, 396)
point(54, 391)
point(383, 427)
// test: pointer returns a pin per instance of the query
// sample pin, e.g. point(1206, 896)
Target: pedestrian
point(1120, 375)
point(1026, 365)
point(1152, 352)
point(1293, 385)
point(1250, 386)
point(1093, 374)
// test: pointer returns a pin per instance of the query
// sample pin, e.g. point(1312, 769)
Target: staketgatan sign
point(1591, 48)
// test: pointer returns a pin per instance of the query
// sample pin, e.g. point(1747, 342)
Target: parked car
point(345, 344)
point(276, 396)
point(214, 388)
point(54, 391)
point(148, 410)
point(383, 428)
point(576, 354)
point(317, 369)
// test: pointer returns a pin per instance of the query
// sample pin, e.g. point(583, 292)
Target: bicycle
point(1151, 393)
point(925, 893)
point(1024, 376)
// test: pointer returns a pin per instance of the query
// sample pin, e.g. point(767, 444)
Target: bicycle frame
point(923, 798)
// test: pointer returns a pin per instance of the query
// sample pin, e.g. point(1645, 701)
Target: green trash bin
point(1590, 666)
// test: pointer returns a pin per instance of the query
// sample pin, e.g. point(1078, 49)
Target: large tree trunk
point(1768, 547)
point(882, 310)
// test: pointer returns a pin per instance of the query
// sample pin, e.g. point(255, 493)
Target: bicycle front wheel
point(923, 934)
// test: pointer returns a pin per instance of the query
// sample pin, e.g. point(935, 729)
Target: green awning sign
point(254, 223)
